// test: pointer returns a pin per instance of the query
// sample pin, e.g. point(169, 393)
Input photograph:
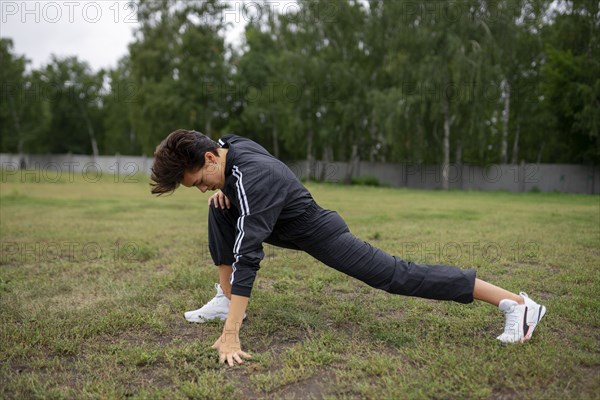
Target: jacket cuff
point(241, 291)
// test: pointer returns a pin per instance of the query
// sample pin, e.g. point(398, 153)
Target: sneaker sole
point(201, 320)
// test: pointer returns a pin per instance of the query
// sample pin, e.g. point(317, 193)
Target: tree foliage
point(378, 80)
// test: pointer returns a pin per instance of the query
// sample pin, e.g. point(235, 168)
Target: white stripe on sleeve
point(245, 210)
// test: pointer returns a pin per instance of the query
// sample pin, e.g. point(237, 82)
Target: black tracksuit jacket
point(266, 193)
point(269, 204)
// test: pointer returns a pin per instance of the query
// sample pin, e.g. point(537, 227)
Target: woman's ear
point(209, 157)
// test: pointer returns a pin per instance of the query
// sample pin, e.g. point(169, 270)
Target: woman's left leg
point(326, 237)
point(492, 294)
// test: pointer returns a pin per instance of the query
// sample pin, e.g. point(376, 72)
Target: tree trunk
point(505, 119)
point(417, 156)
point(458, 163)
point(352, 165)
point(90, 129)
point(309, 155)
point(373, 132)
point(539, 156)
point(13, 111)
point(515, 150)
point(327, 158)
point(94, 143)
point(446, 144)
point(92, 137)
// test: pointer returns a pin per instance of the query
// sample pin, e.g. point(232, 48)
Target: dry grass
point(94, 278)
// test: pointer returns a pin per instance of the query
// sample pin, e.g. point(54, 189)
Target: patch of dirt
point(263, 283)
point(148, 377)
point(19, 368)
point(544, 295)
point(505, 394)
point(243, 385)
point(387, 315)
point(314, 387)
point(161, 268)
point(275, 346)
point(554, 269)
point(177, 330)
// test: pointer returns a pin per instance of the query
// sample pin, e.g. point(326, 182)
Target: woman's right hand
point(219, 200)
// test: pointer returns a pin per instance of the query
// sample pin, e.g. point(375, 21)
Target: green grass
point(95, 277)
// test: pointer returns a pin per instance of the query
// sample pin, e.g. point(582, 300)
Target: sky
point(96, 31)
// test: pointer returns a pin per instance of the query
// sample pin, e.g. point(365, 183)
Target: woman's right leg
point(221, 237)
point(225, 271)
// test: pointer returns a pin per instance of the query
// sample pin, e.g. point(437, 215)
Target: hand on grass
point(230, 349)
point(219, 200)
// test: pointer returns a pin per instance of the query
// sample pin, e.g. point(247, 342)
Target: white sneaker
point(218, 307)
point(521, 319)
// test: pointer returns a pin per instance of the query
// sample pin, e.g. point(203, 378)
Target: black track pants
point(324, 235)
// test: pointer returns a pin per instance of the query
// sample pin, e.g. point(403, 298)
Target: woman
point(261, 200)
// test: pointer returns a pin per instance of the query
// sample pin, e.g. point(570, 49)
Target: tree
point(178, 69)
point(120, 135)
point(73, 95)
point(571, 83)
point(22, 114)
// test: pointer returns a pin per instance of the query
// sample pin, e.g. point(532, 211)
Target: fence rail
point(564, 178)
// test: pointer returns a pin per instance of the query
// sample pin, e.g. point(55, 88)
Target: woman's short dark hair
point(181, 151)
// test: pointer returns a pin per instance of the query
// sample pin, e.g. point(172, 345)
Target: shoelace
point(216, 300)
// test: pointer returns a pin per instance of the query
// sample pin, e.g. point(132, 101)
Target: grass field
point(95, 277)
